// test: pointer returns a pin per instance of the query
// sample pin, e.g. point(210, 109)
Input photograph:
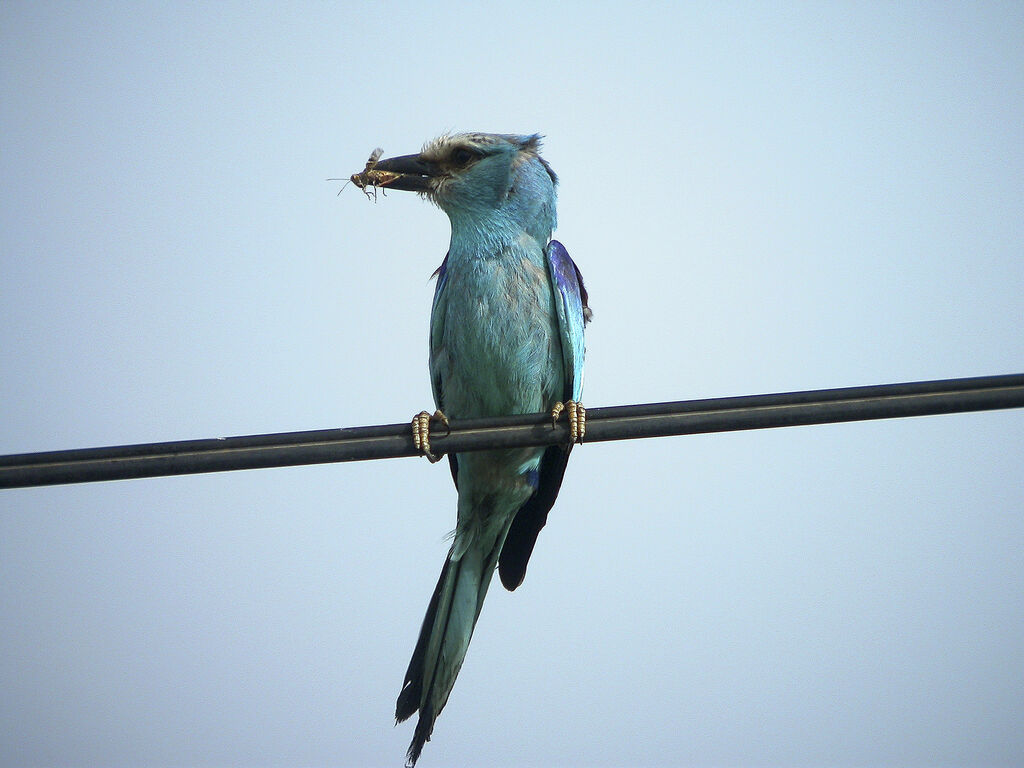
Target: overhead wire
point(687, 417)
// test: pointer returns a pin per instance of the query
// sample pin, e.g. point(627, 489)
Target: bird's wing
point(436, 330)
point(572, 313)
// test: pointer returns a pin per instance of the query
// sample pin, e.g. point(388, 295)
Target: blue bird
point(506, 337)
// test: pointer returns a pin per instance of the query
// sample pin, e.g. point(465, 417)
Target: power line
point(823, 406)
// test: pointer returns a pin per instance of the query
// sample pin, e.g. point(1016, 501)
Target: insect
point(368, 177)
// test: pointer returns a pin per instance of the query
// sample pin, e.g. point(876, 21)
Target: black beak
point(408, 172)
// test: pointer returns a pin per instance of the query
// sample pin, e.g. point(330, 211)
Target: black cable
point(789, 409)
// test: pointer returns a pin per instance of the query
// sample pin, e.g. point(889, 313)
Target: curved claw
point(421, 432)
point(577, 416)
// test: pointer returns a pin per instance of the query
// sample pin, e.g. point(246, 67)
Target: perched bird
point(506, 337)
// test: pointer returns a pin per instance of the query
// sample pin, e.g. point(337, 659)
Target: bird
point(506, 337)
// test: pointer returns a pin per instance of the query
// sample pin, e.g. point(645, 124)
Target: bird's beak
point(408, 172)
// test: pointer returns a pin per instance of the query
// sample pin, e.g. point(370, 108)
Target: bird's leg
point(421, 432)
point(577, 416)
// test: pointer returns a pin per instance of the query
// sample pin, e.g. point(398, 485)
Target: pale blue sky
point(761, 197)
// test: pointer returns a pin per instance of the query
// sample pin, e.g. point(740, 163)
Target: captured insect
point(368, 177)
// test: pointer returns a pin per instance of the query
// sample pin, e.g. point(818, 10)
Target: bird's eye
point(462, 156)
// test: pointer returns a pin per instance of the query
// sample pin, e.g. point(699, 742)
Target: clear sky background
point(762, 198)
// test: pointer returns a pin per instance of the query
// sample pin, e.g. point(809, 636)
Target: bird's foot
point(577, 415)
point(421, 432)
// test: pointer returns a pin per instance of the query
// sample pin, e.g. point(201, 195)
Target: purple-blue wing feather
point(436, 385)
point(573, 313)
point(441, 273)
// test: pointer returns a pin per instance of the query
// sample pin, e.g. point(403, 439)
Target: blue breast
point(494, 344)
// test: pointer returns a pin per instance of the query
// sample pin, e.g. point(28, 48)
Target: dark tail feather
point(424, 727)
point(410, 699)
point(412, 688)
point(443, 641)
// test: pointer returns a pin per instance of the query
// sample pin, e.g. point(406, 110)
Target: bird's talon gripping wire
point(421, 432)
point(577, 416)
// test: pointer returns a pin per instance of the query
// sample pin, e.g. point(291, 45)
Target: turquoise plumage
point(506, 337)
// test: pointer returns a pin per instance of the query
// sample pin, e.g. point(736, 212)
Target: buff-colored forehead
point(441, 147)
point(527, 147)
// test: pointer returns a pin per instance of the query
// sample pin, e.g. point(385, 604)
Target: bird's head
point(479, 179)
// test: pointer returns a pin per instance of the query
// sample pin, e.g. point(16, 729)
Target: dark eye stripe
point(463, 156)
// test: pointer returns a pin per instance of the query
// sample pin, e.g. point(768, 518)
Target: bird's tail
point(444, 638)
